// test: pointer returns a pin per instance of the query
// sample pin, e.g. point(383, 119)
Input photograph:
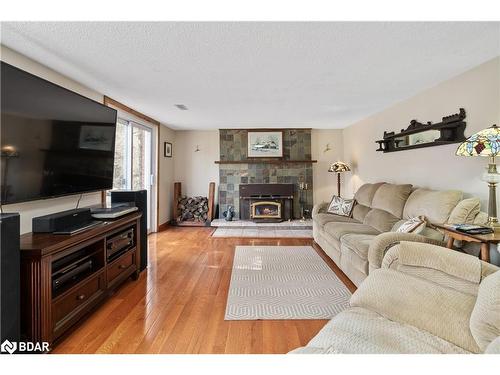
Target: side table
point(484, 239)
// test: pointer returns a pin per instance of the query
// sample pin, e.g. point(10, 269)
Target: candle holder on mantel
point(303, 187)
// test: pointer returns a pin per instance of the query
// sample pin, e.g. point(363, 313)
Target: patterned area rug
point(283, 282)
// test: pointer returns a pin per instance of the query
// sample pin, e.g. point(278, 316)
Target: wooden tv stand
point(63, 277)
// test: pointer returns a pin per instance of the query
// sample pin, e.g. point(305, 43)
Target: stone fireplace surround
point(233, 147)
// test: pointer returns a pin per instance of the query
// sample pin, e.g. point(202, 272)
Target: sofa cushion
point(354, 254)
point(337, 230)
point(392, 198)
point(485, 318)
point(494, 347)
point(361, 331)
point(365, 193)
point(358, 243)
point(481, 218)
point(436, 206)
point(425, 305)
point(381, 220)
point(340, 206)
point(359, 212)
point(465, 211)
point(321, 219)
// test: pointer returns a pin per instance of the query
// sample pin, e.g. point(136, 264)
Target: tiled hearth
point(247, 228)
point(294, 224)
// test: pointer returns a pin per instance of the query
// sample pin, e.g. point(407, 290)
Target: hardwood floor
point(178, 304)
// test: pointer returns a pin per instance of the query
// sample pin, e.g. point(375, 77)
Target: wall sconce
point(197, 148)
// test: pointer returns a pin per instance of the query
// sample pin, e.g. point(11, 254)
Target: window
point(135, 161)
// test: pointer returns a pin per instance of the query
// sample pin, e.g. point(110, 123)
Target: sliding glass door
point(134, 161)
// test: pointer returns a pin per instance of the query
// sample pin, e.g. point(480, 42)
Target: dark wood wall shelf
point(265, 161)
point(51, 307)
point(451, 130)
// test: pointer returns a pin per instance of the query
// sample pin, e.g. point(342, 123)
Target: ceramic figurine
point(229, 214)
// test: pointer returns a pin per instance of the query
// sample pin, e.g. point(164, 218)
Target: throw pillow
point(341, 206)
point(413, 225)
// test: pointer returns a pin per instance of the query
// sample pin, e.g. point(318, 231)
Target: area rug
point(283, 282)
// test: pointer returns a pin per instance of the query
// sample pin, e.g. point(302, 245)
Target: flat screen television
point(54, 141)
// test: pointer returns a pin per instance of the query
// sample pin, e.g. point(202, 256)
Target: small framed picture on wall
point(167, 149)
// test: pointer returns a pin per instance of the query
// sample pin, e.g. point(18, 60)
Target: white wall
point(324, 182)
point(477, 90)
point(29, 210)
point(195, 170)
point(166, 177)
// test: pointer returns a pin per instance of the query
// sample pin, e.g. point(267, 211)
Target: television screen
point(53, 141)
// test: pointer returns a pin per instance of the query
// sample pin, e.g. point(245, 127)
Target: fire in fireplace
point(265, 210)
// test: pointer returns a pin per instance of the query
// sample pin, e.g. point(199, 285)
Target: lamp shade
point(485, 143)
point(338, 167)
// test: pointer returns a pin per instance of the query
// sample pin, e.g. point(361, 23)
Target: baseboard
point(163, 226)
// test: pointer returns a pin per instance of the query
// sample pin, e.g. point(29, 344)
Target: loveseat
point(357, 243)
point(424, 299)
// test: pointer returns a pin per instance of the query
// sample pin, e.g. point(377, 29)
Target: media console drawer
point(121, 265)
point(67, 306)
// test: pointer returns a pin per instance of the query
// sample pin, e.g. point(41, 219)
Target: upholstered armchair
point(424, 299)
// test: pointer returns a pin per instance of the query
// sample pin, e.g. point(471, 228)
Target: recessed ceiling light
point(182, 107)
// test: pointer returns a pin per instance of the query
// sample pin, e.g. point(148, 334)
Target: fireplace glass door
point(265, 210)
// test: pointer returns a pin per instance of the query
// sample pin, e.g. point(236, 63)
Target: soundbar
point(61, 221)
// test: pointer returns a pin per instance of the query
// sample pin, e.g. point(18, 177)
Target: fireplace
point(265, 210)
point(266, 202)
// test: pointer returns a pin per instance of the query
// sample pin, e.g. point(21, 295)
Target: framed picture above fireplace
point(265, 144)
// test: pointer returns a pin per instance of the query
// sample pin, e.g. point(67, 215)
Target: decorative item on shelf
point(418, 135)
point(303, 187)
point(339, 167)
point(229, 214)
point(167, 149)
point(486, 143)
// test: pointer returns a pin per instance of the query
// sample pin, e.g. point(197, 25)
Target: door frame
point(130, 114)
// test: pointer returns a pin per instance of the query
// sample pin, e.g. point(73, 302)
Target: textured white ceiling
point(257, 74)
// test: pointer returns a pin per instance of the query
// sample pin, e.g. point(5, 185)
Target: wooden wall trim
point(111, 102)
point(163, 226)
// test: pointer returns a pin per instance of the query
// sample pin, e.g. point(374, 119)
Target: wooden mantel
point(265, 161)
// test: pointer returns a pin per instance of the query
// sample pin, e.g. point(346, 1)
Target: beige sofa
point(424, 299)
point(357, 244)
